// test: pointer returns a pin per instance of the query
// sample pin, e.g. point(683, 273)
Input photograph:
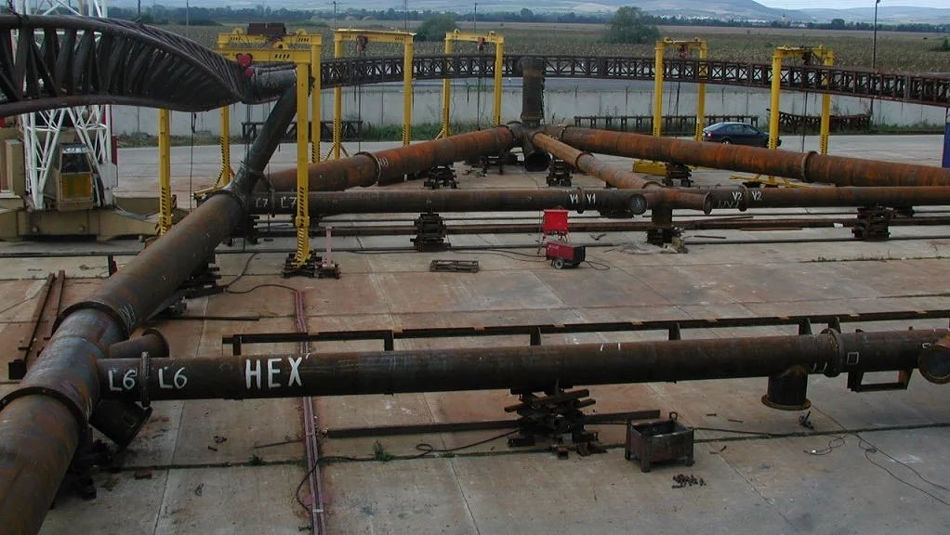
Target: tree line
point(198, 16)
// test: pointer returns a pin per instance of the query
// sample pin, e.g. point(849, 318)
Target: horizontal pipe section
point(810, 167)
point(744, 198)
point(389, 166)
point(531, 367)
point(481, 200)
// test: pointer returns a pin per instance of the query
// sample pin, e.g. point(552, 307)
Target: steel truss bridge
point(67, 61)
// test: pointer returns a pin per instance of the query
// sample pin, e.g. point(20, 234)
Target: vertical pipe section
point(532, 92)
point(41, 421)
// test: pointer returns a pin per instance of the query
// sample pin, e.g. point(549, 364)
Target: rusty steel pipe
point(389, 166)
point(586, 163)
point(810, 166)
point(530, 367)
point(482, 200)
point(656, 194)
point(42, 419)
point(151, 342)
point(743, 198)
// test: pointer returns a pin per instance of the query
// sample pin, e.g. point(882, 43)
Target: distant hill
point(887, 14)
point(715, 9)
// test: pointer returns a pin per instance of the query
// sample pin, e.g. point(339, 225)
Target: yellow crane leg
point(224, 178)
point(302, 219)
point(446, 97)
point(701, 94)
point(658, 90)
point(775, 101)
point(164, 172)
point(337, 104)
point(825, 109)
point(496, 103)
point(407, 92)
point(315, 114)
point(646, 166)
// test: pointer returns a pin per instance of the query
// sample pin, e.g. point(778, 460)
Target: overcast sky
point(844, 4)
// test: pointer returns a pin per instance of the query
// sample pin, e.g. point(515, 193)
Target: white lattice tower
point(41, 130)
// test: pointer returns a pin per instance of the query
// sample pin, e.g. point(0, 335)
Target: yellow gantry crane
point(808, 55)
point(302, 49)
point(303, 59)
point(363, 38)
point(482, 39)
point(827, 58)
point(683, 47)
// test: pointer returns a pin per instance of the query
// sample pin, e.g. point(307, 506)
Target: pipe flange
point(835, 364)
point(581, 201)
point(239, 197)
point(934, 362)
point(744, 198)
point(144, 369)
point(376, 162)
point(124, 320)
point(60, 383)
point(804, 166)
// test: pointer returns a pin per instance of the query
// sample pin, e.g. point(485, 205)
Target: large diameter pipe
point(482, 200)
point(40, 421)
point(389, 166)
point(531, 367)
point(810, 166)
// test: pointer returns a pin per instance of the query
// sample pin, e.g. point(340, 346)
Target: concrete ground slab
point(755, 483)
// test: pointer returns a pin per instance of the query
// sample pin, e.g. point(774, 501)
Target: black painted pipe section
point(529, 367)
point(481, 200)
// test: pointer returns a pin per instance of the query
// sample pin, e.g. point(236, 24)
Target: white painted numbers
point(126, 381)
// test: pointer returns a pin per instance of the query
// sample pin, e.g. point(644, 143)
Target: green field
point(896, 51)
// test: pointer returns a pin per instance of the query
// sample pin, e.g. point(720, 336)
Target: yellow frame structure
point(303, 59)
point(388, 36)
point(300, 39)
point(659, 168)
point(450, 39)
point(658, 83)
point(827, 58)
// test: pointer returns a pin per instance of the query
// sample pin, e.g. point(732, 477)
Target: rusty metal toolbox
point(659, 441)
